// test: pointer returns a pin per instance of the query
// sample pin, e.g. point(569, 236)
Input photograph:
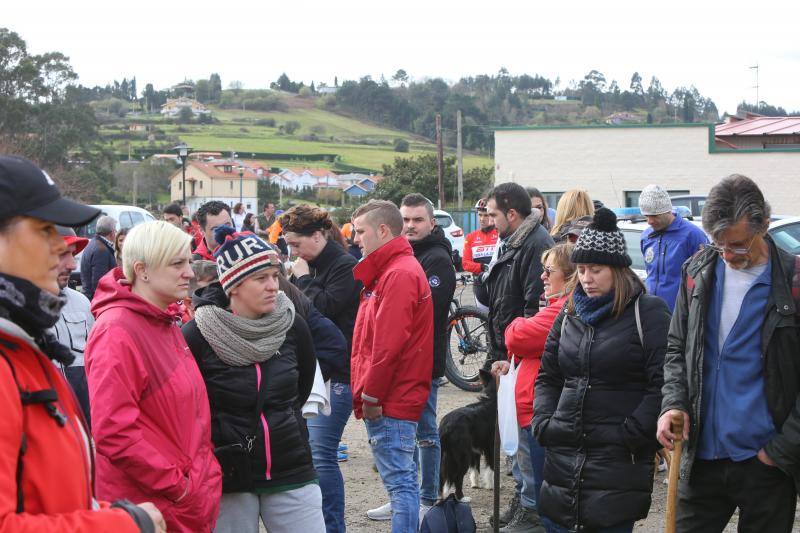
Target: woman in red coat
point(150, 411)
point(525, 339)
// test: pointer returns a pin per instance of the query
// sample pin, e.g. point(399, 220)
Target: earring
point(145, 279)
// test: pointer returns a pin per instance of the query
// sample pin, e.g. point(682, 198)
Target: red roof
point(760, 126)
point(215, 169)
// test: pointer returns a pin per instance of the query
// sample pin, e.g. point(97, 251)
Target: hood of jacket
point(434, 239)
point(114, 290)
point(528, 225)
point(211, 294)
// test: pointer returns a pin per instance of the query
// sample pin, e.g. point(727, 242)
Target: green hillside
point(350, 142)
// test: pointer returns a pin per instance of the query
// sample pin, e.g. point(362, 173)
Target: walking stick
point(674, 472)
point(496, 466)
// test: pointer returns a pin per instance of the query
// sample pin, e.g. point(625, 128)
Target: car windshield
point(787, 237)
point(632, 239)
point(443, 220)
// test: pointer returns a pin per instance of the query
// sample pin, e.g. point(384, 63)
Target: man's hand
point(372, 412)
point(300, 267)
point(664, 433)
point(155, 515)
point(500, 368)
point(764, 458)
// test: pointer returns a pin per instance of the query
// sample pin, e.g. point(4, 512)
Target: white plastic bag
point(507, 411)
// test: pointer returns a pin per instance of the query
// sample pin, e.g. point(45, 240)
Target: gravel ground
point(364, 488)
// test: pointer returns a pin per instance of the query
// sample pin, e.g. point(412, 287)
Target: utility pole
point(758, 100)
point(440, 159)
point(460, 161)
point(135, 186)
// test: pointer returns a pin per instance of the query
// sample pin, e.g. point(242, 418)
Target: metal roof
point(760, 126)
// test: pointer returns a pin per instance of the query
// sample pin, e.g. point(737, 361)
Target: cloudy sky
point(708, 43)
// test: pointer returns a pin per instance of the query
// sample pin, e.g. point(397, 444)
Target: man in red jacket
point(392, 357)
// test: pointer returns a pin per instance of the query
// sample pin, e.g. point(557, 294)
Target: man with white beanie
point(666, 244)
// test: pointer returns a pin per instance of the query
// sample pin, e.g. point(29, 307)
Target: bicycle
point(468, 346)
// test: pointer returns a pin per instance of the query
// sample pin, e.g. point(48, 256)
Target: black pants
point(76, 376)
point(765, 496)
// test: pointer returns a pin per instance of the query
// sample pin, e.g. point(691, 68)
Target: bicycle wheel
point(468, 347)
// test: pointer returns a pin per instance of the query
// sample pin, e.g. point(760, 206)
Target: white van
point(127, 216)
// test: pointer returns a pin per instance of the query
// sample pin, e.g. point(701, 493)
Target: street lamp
point(183, 152)
point(241, 178)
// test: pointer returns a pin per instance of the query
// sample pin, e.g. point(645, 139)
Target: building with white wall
point(614, 163)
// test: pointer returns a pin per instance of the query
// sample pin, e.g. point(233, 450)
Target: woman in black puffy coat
point(257, 359)
point(598, 393)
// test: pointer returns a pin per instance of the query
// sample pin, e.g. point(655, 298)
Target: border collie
point(466, 435)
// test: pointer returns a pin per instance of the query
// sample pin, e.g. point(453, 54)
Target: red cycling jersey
point(478, 249)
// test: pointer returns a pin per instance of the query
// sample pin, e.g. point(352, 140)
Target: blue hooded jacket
point(665, 252)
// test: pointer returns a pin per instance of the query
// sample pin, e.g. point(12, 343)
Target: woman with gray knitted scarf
point(257, 359)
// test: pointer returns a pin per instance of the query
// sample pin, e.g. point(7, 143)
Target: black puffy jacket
point(434, 255)
point(287, 381)
point(513, 282)
point(330, 285)
point(596, 407)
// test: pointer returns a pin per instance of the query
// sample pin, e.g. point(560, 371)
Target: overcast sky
point(707, 43)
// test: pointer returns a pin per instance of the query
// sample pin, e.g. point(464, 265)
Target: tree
point(149, 95)
point(401, 145)
point(400, 77)
point(185, 115)
point(214, 88)
point(291, 126)
point(203, 91)
point(636, 84)
point(132, 89)
point(236, 86)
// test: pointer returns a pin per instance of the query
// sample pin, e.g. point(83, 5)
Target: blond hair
point(561, 254)
point(572, 205)
point(154, 244)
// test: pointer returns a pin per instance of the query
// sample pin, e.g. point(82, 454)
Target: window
point(231, 185)
point(249, 207)
point(227, 169)
point(136, 218)
point(443, 220)
point(552, 198)
point(125, 220)
point(632, 244)
point(201, 184)
point(180, 185)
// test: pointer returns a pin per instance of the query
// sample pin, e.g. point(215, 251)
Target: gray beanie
point(654, 201)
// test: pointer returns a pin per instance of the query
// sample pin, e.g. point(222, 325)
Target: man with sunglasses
point(732, 371)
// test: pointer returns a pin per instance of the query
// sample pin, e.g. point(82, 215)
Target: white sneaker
point(422, 510)
point(382, 513)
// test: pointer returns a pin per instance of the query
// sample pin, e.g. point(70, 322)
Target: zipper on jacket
point(583, 435)
point(264, 427)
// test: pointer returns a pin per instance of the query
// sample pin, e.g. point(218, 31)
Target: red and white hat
point(241, 255)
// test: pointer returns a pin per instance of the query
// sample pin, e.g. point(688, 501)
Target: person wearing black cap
point(598, 392)
point(46, 480)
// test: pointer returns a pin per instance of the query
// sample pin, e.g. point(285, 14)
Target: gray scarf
point(239, 341)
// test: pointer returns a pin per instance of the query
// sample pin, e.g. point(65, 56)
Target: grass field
point(356, 143)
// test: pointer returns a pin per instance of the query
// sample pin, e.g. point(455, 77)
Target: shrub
point(291, 126)
point(268, 122)
point(401, 145)
point(318, 129)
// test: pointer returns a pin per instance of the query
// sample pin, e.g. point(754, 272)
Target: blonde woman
point(573, 205)
point(150, 412)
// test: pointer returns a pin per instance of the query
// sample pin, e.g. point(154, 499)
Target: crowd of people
point(180, 388)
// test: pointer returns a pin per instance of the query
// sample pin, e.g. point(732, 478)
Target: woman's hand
point(500, 368)
point(300, 268)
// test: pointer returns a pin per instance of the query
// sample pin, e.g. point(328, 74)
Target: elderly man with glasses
point(732, 371)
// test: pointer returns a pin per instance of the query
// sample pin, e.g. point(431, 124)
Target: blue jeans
point(393, 443)
point(522, 470)
point(324, 434)
point(429, 449)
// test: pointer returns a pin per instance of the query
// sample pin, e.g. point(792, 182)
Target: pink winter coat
point(150, 413)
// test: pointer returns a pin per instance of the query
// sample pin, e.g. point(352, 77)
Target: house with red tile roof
point(221, 179)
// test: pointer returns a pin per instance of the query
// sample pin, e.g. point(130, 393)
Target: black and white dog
point(466, 435)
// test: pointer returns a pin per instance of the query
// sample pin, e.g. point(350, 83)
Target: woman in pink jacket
point(150, 410)
point(525, 339)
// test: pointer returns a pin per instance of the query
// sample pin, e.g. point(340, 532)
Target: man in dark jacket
point(732, 371)
point(433, 251)
point(513, 281)
point(98, 257)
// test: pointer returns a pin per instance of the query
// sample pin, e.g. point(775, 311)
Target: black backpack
point(448, 516)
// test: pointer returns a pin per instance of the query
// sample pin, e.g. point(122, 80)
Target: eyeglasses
point(548, 271)
point(735, 251)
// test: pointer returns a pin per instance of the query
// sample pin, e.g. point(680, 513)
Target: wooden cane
point(674, 471)
point(496, 461)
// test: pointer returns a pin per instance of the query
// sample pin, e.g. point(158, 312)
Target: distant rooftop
point(753, 124)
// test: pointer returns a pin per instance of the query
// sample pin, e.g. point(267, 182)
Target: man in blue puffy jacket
point(666, 244)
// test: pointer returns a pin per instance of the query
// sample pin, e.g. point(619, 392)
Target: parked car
point(453, 233)
point(694, 202)
point(127, 216)
point(785, 231)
